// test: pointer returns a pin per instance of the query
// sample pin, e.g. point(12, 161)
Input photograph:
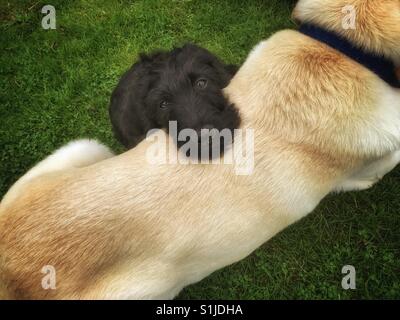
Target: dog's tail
point(76, 154)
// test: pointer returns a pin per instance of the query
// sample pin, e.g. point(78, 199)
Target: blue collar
point(380, 65)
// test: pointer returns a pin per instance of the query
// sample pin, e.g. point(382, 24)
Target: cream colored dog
point(122, 228)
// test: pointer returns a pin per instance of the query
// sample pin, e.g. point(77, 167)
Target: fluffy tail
point(76, 154)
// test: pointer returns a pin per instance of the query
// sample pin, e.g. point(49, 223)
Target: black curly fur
point(136, 103)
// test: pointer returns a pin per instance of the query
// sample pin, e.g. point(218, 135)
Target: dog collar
point(380, 65)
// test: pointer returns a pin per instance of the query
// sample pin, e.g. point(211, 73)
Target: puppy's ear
point(127, 109)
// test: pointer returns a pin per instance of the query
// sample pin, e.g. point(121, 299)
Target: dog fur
point(122, 228)
point(163, 87)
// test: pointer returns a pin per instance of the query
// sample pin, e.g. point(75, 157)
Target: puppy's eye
point(201, 83)
point(164, 104)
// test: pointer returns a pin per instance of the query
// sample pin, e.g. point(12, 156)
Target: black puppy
point(183, 85)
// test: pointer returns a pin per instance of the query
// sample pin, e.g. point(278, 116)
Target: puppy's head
point(376, 25)
point(188, 90)
point(184, 85)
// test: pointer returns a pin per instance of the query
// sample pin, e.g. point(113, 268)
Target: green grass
point(55, 86)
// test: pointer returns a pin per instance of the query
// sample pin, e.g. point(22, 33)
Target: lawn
point(55, 86)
